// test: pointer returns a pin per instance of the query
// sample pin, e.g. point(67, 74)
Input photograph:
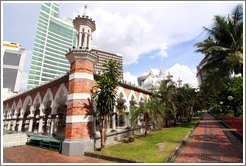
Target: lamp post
point(230, 98)
point(221, 103)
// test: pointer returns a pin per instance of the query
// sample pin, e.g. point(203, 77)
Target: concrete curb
point(110, 158)
point(181, 144)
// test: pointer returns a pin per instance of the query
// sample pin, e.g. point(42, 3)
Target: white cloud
point(135, 28)
point(183, 72)
point(130, 78)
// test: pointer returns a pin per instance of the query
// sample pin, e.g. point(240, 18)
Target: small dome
point(152, 82)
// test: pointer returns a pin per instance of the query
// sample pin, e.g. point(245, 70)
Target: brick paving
point(31, 154)
point(211, 143)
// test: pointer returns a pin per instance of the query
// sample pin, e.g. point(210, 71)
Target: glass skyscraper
point(53, 38)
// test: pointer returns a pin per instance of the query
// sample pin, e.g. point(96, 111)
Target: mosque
point(152, 82)
point(62, 108)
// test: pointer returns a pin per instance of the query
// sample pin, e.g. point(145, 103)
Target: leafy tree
point(159, 111)
point(134, 117)
point(191, 96)
point(223, 49)
point(168, 94)
point(233, 88)
point(105, 95)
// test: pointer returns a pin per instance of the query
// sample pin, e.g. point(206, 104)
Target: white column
point(126, 121)
point(56, 123)
point(54, 107)
point(30, 124)
point(52, 126)
point(14, 124)
point(31, 116)
point(113, 122)
point(41, 119)
point(9, 124)
point(20, 119)
point(4, 122)
point(85, 40)
point(20, 123)
point(89, 44)
point(80, 39)
point(40, 125)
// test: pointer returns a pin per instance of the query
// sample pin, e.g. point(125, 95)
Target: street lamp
point(221, 103)
point(230, 99)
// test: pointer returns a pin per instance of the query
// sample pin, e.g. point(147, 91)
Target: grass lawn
point(145, 149)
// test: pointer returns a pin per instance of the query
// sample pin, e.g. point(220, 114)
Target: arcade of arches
point(42, 110)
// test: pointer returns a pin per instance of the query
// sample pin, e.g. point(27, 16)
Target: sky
point(148, 34)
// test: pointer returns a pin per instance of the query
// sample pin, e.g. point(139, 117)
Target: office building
point(53, 38)
point(103, 56)
point(13, 62)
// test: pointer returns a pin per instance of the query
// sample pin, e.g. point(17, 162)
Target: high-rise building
point(53, 38)
point(104, 55)
point(13, 62)
point(200, 74)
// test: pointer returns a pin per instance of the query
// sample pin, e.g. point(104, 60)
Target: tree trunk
point(146, 117)
point(235, 111)
point(191, 111)
point(174, 115)
point(166, 122)
point(102, 134)
point(104, 131)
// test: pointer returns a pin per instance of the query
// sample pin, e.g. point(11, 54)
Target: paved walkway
point(211, 143)
point(31, 154)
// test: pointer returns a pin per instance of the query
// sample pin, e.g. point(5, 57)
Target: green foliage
point(183, 101)
point(105, 95)
point(234, 88)
point(223, 51)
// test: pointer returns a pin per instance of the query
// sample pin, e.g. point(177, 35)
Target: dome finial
point(85, 11)
point(161, 72)
point(150, 71)
point(169, 76)
point(179, 82)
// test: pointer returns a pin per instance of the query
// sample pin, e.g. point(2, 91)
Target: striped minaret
point(79, 120)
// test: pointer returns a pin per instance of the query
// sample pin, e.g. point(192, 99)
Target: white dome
point(152, 82)
point(148, 82)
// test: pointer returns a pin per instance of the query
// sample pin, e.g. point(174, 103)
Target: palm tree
point(223, 49)
point(159, 111)
point(168, 93)
point(191, 95)
point(144, 109)
point(105, 95)
point(134, 117)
